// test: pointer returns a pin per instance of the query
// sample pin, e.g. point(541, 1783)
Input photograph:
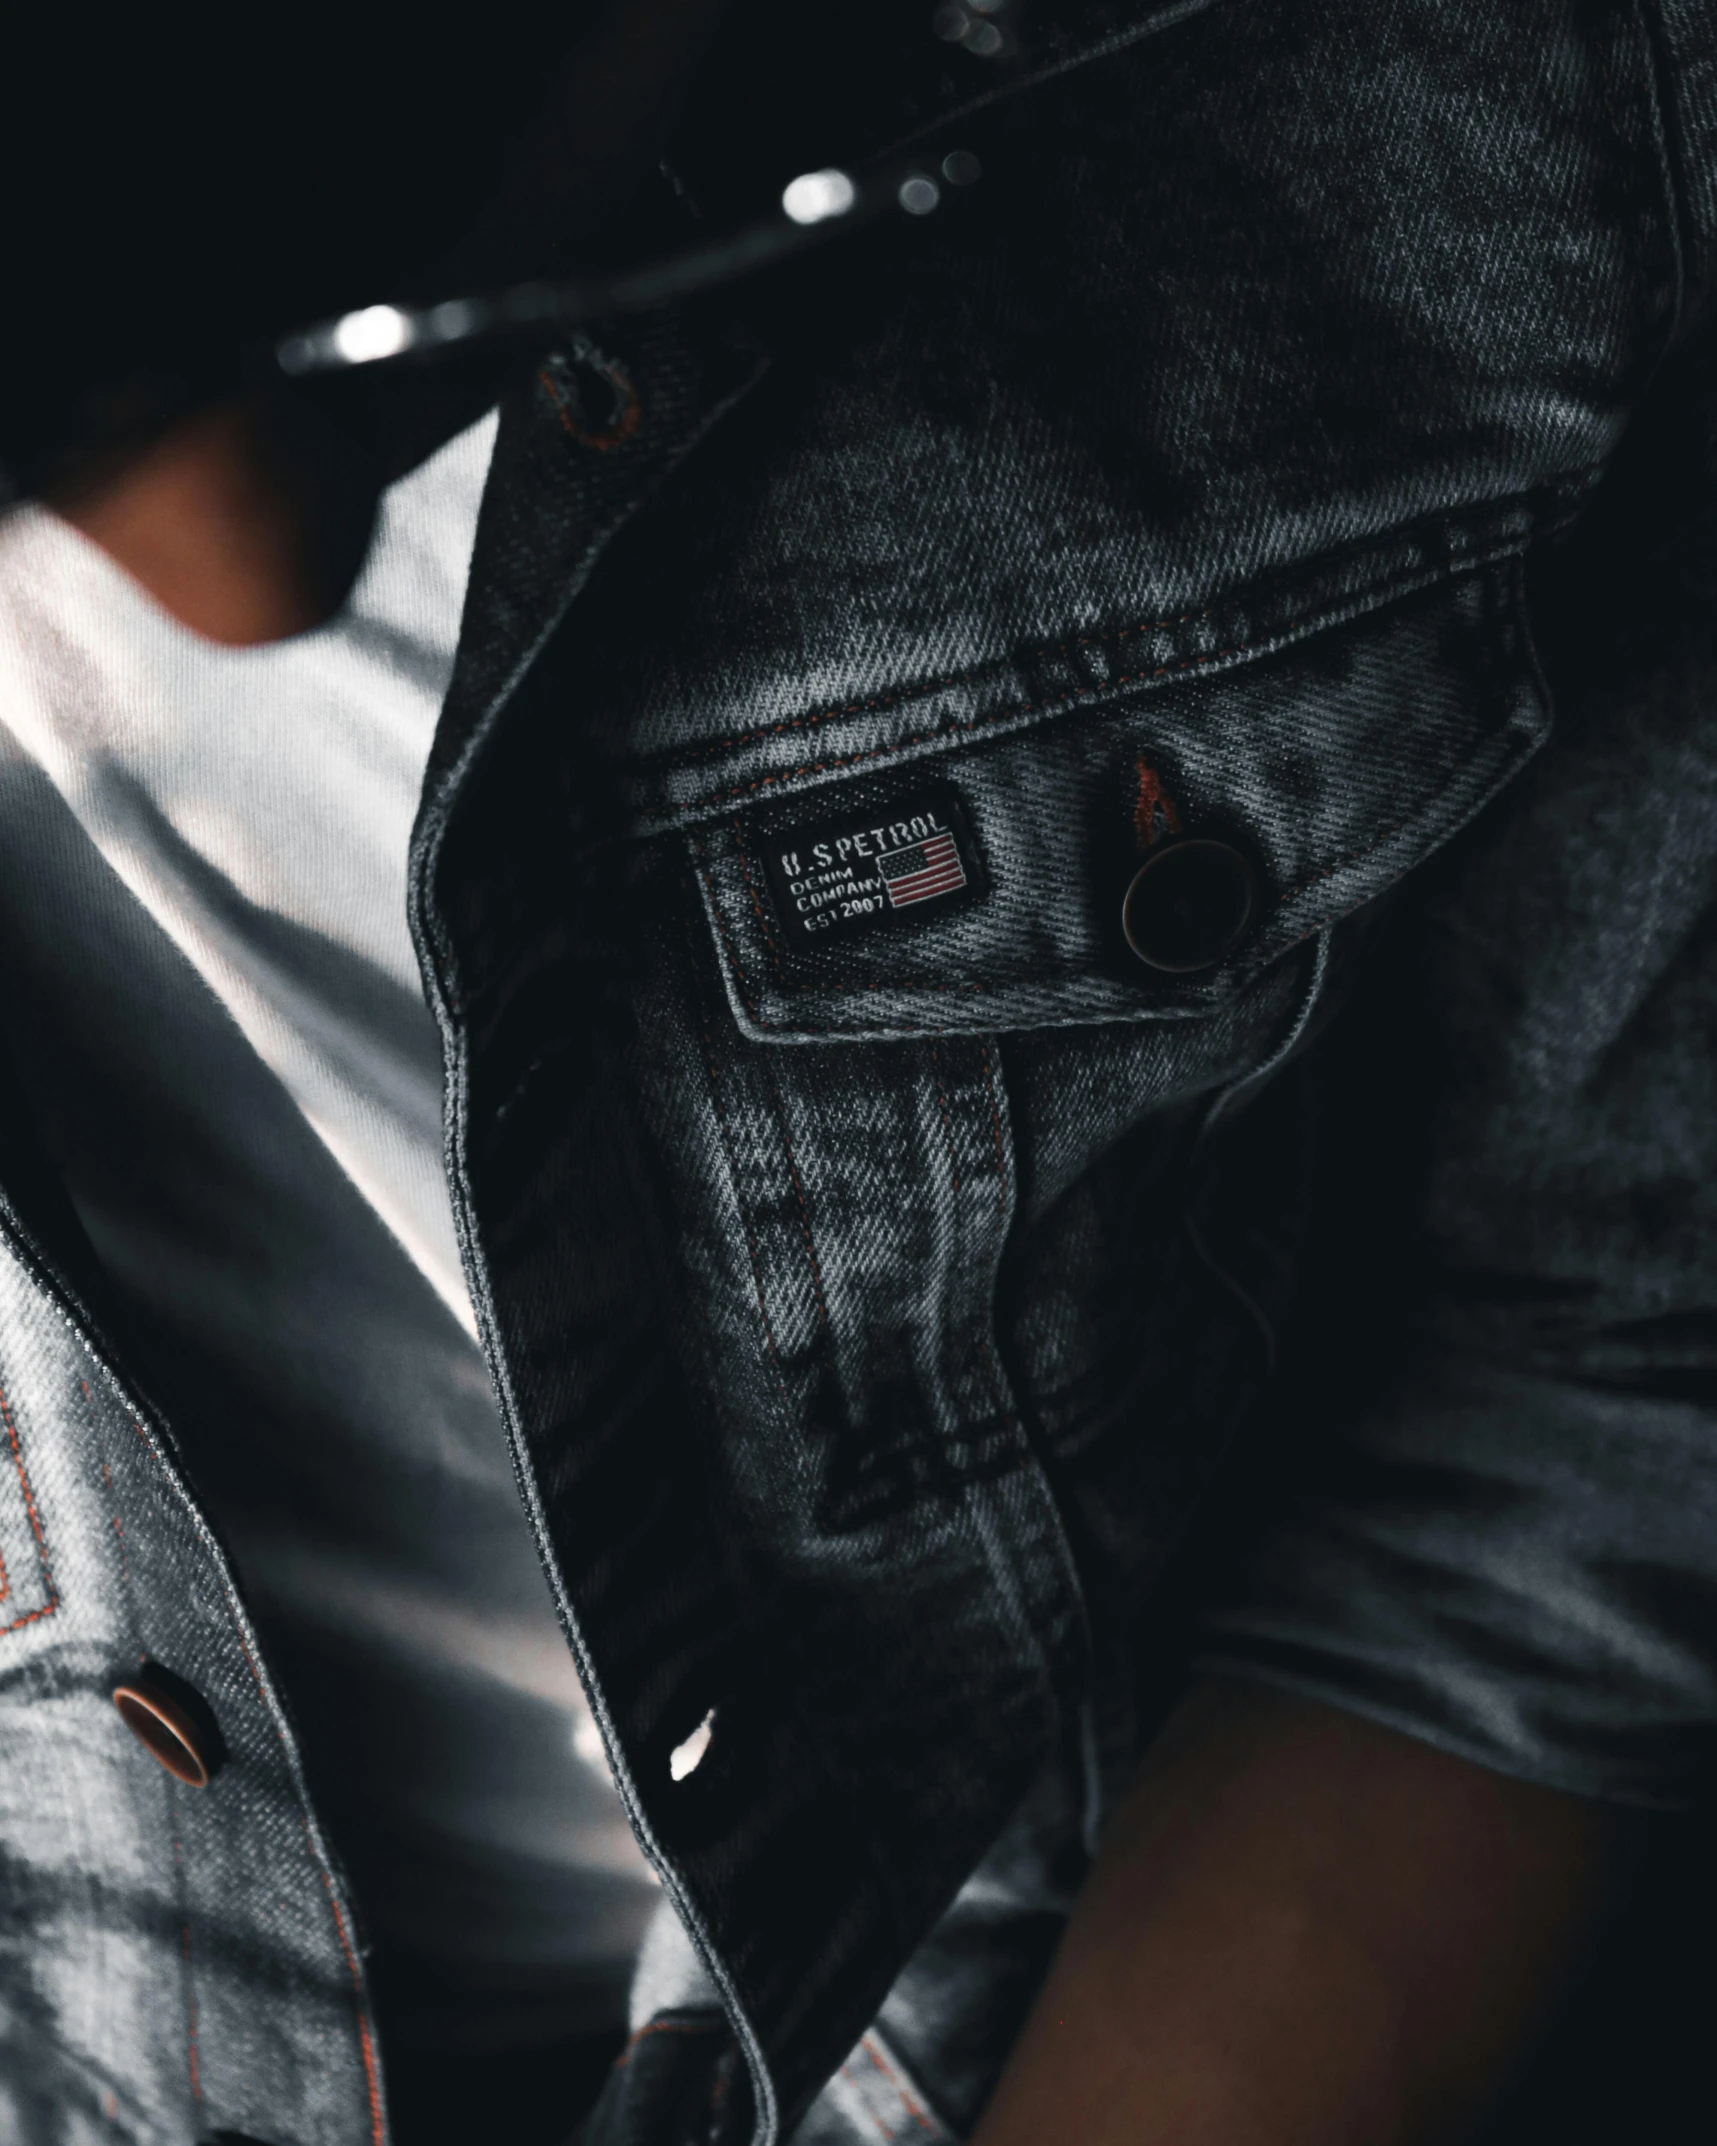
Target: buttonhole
point(685, 1759)
point(594, 395)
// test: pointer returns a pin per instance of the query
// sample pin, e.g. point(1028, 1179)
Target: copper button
point(167, 1731)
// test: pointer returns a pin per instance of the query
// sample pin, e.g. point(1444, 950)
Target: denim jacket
point(1068, 880)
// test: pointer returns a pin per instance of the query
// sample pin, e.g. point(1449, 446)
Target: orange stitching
point(909, 2101)
point(190, 2005)
point(884, 2131)
point(378, 2125)
point(1154, 625)
point(48, 1608)
point(378, 2119)
point(1152, 799)
point(626, 423)
point(665, 2026)
point(378, 2122)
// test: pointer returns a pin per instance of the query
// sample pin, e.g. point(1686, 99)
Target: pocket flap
point(1040, 878)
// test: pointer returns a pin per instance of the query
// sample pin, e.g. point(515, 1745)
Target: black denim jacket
point(923, 1332)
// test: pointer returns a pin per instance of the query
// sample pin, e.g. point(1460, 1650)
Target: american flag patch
point(895, 856)
point(926, 869)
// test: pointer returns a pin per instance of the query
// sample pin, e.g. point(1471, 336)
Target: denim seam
point(1266, 644)
point(716, 2023)
point(1009, 1415)
point(769, 936)
point(714, 905)
point(911, 2107)
point(780, 1115)
point(1005, 1413)
point(1369, 595)
point(1680, 219)
point(60, 1302)
point(724, 1135)
point(33, 1513)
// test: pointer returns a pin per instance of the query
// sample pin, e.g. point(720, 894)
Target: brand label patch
point(911, 856)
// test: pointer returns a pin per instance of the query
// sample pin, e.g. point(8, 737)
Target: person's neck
point(218, 524)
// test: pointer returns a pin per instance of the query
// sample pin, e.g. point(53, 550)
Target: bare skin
point(1304, 1930)
point(215, 523)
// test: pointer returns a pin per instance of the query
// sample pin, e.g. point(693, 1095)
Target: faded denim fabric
point(918, 1345)
point(165, 1954)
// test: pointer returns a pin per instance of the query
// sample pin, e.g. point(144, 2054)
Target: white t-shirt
point(202, 916)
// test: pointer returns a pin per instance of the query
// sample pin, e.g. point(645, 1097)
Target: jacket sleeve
point(1498, 1527)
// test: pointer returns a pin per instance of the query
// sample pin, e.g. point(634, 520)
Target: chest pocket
point(1142, 858)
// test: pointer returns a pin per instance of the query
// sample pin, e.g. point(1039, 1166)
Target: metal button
point(1188, 906)
point(167, 1730)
